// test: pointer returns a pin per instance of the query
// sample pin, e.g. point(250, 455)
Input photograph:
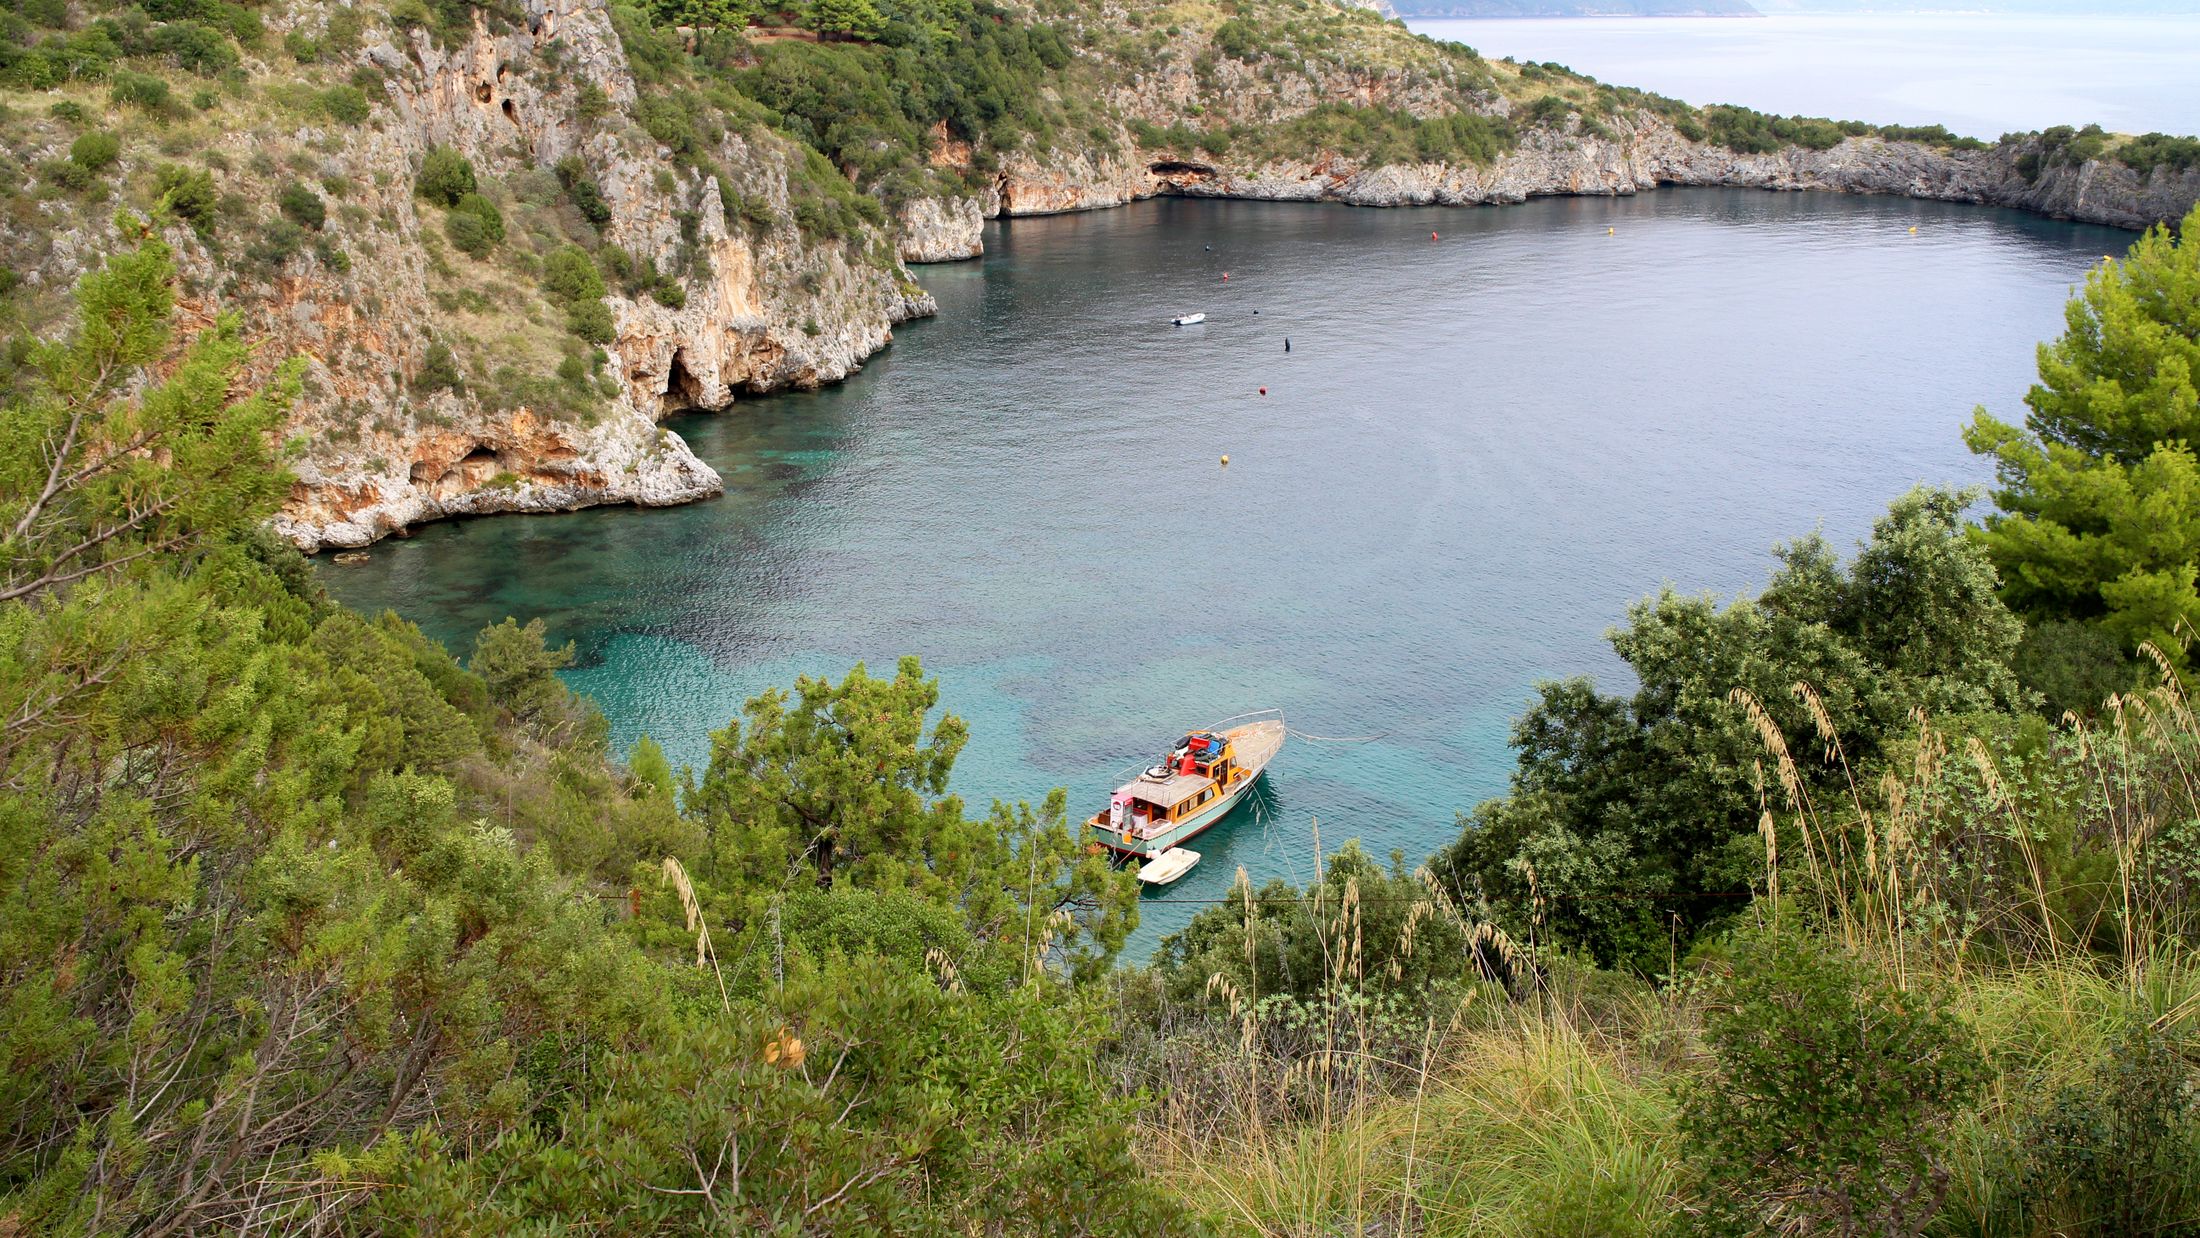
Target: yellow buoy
point(1611, 232)
point(1913, 229)
point(1226, 459)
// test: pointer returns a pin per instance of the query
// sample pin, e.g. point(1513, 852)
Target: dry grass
point(1547, 1114)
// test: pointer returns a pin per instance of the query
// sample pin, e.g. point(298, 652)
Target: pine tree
point(2100, 491)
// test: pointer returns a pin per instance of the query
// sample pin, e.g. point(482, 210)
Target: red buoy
point(1432, 236)
point(1225, 277)
point(1264, 391)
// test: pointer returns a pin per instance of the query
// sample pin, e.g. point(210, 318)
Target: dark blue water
point(1478, 451)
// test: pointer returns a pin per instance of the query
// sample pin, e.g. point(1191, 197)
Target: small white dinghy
point(1189, 320)
point(1165, 868)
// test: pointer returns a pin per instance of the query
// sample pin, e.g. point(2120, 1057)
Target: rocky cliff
point(1644, 153)
point(741, 298)
point(662, 242)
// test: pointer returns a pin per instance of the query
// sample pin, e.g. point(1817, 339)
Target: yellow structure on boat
point(1203, 776)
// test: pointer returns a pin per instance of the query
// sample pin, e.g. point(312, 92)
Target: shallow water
point(1478, 451)
point(1982, 74)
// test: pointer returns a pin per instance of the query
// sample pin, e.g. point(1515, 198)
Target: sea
point(1492, 431)
point(1979, 74)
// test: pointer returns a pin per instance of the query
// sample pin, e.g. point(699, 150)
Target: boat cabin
point(1198, 770)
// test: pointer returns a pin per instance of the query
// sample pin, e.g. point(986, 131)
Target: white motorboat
point(1189, 320)
point(1168, 866)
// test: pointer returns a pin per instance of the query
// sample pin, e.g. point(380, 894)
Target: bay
point(1980, 74)
point(1478, 451)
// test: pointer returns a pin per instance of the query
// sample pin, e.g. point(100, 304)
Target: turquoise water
point(1982, 74)
point(1478, 451)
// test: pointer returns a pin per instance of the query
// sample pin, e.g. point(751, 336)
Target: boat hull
point(1183, 831)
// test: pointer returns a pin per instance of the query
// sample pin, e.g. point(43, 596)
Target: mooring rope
point(1337, 739)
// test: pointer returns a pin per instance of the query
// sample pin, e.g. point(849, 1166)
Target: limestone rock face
point(942, 229)
point(1641, 154)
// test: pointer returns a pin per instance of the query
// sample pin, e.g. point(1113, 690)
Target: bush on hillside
point(1829, 1099)
point(445, 176)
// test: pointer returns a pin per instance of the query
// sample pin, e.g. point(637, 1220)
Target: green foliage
point(2074, 666)
point(1748, 132)
point(387, 937)
point(346, 105)
point(188, 194)
point(980, 71)
point(849, 19)
point(445, 176)
point(2119, 1152)
point(439, 371)
point(570, 276)
point(475, 225)
point(302, 206)
point(1830, 1096)
point(2099, 494)
point(2154, 152)
point(142, 91)
point(1379, 135)
point(586, 198)
point(1638, 817)
point(909, 1117)
point(520, 669)
point(194, 48)
point(1290, 952)
point(95, 151)
point(81, 490)
point(840, 784)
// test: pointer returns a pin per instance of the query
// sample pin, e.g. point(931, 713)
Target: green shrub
point(69, 110)
point(570, 275)
point(573, 174)
point(439, 371)
point(275, 244)
point(2151, 151)
point(195, 48)
point(445, 176)
point(592, 321)
point(468, 234)
point(188, 194)
point(95, 151)
point(492, 219)
point(2118, 1153)
point(346, 105)
point(66, 174)
point(1829, 1098)
point(140, 90)
point(302, 206)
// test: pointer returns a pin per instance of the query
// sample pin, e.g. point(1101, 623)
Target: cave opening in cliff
point(511, 113)
point(1177, 167)
point(682, 389)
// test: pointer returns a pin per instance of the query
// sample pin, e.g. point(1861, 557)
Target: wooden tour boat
point(1203, 777)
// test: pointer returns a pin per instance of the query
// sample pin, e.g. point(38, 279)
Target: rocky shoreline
point(1644, 155)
